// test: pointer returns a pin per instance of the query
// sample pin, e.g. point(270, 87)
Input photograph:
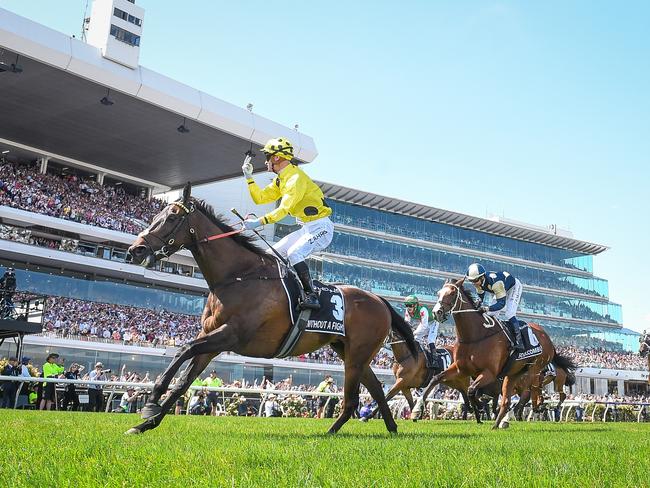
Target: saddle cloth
point(441, 361)
point(329, 319)
point(532, 347)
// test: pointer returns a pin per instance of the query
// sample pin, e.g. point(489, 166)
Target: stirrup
point(310, 302)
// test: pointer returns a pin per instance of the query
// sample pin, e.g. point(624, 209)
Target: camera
point(106, 371)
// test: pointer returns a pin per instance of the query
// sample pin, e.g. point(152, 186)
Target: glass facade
point(572, 294)
point(44, 283)
point(403, 225)
point(400, 283)
point(456, 262)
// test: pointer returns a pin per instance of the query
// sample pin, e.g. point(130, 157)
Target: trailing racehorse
point(411, 371)
point(483, 351)
point(247, 310)
point(564, 376)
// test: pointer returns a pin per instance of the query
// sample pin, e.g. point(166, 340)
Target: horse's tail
point(567, 365)
point(399, 325)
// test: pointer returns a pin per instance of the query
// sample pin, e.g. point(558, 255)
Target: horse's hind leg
point(373, 385)
point(350, 396)
point(396, 388)
point(154, 413)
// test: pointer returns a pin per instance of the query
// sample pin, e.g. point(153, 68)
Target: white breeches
point(429, 331)
point(311, 237)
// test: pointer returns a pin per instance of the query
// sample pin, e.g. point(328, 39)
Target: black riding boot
point(519, 342)
point(434, 355)
point(311, 300)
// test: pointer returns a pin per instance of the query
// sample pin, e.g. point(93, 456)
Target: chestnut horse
point(247, 310)
point(483, 351)
point(411, 371)
point(565, 376)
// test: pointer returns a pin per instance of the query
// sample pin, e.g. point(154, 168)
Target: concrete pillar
point(43, 165)
point(621, 387)
point(149, 193)
point(100, 178)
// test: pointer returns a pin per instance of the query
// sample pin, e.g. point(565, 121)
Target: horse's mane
point(463, 291)
point(219, 220)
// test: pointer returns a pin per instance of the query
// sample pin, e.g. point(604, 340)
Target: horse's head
point(169, 232)
point(450, 299)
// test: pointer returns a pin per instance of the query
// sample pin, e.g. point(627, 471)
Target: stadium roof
point(394, 205)
point(53, 108)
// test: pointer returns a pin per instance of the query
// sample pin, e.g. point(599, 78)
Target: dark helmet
point(10, 271)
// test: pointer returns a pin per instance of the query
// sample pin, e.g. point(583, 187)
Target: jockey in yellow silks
point(299, 197)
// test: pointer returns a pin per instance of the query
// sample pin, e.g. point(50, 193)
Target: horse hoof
point(150, 410)
point(331, 432)
point(133, 431)
point(504, 425)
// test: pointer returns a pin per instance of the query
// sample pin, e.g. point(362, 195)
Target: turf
point(82, 449)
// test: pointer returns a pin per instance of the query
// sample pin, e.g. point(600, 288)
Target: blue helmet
point(474, 272)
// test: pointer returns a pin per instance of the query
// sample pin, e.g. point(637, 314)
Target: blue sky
point(535, 111)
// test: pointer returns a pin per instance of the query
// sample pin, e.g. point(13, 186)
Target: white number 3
point(338, 307)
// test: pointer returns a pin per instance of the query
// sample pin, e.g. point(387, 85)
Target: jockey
point(299, 197)
point(427, 326)
point(507, 292)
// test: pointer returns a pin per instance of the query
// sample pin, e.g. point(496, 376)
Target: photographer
point(129, 401)
point(53, 368)
point(198, 404)
point(70, 395)
point(272, 407)
point(95, 391)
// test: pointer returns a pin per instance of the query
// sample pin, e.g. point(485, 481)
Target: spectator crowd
point(72, 197)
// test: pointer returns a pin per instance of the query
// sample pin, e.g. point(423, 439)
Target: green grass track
point(61, 449)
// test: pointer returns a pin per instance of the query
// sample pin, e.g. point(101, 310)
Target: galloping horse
point(565, 376)
point(247, 310)
point(644, 348)
point(483, 352)
point(411, 371)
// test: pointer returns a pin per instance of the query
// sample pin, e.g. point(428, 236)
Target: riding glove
point(252, 224)
point(247, 167)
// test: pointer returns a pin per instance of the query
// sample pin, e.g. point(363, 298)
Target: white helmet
point(474, 272)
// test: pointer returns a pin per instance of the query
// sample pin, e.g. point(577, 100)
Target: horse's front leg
point(154, 413)
point(222, 339)
point(447, 375)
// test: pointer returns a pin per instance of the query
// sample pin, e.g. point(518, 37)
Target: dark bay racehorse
point(483, 351)
point(247, 310)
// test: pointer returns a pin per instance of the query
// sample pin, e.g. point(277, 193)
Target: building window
point(121, 14)
point(125, 36)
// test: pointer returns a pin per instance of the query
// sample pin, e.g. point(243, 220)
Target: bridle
point(167, 249)
point(458, 303)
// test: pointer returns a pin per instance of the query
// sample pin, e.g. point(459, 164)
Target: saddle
point(329, 319)
point(435, 364)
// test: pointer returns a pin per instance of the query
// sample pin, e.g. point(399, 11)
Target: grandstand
point(77, 180)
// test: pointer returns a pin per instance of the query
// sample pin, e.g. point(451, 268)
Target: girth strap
point(294, 334)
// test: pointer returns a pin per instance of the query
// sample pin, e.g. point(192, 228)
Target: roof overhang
point(394, 205)
point(53, 107)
